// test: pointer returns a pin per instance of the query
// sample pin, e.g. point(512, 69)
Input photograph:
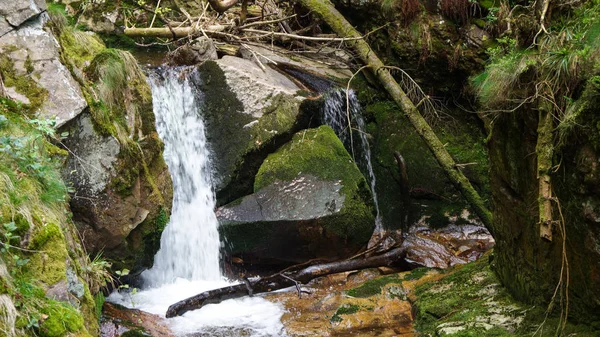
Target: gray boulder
point(34, 75)
point(246, 109)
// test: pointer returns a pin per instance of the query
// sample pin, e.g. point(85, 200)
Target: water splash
point(188, 261)
point(335, 114)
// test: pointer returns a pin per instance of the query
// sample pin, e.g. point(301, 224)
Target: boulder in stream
point(247, 112)
point(310, 201)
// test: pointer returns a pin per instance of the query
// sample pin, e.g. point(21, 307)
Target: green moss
point(62, 318)
point(373, 287)
point(135, 333)
point(278, 118)
point(49, 265)
point(472, 297)
point(318, 152)
point(417, 273)
point(23, 84)
point(79, 48)
point(151, 235)
point(345, 309)
point(99, 300)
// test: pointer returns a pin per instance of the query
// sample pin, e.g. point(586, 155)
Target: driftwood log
point(283, 280)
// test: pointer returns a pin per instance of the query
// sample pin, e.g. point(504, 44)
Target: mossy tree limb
point(545, 150)
point(344, 29)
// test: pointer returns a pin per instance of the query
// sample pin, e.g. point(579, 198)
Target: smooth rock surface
point(245, 111)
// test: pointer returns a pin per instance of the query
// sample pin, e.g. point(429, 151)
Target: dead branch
point(282, 280)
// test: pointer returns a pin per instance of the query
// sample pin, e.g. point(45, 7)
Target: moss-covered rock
point(310, 201)
point(115, 165)
point(33, 74)
point(469, 300)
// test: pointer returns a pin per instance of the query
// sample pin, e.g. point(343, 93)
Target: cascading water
point(192, 232)
point(188, 261)
point(335, 114)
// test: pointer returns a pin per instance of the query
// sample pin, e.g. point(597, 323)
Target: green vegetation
point(345, 309)
point(373, 287)
point(34, 203)
point(318, 152)
point(23, 83)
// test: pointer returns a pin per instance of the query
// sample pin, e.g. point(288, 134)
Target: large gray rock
point(119, 206)
point(18, 11)
point(310, 201)
point(245, 109)
point(34, 54)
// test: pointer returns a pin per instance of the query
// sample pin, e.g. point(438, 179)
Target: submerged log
point(283, 280)
point(337, 22)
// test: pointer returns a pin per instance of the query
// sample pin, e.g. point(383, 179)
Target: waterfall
point(190, 242)
point(335, 114)
point(188, 260)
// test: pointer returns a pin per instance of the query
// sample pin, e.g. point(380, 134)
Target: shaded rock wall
point(527, 265)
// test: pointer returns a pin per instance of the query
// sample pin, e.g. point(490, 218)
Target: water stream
point(188, 261)
point(335, 114)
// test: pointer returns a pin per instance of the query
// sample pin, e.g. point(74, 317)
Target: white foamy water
point(188, 260)
point(335, 114)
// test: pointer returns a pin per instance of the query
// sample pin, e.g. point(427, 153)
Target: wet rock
point(310, 201)
point(123, 224)
point(446, 247)
point(33, 56)
point(198, 51)
point(119, 321)
point(331, 309)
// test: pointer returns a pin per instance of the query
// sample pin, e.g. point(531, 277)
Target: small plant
point(130, 291)
point(10, 251)
point(97, 274)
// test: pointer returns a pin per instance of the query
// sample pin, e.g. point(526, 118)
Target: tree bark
point(168, 33)
point(338, 23)
point(282, 280)
point(545, 150)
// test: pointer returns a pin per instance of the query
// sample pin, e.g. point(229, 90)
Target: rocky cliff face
point(516, 228)
point(121, 187)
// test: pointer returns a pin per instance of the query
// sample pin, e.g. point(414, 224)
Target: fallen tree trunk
point(283, 280)
point(176, 32)
point(344, 29)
